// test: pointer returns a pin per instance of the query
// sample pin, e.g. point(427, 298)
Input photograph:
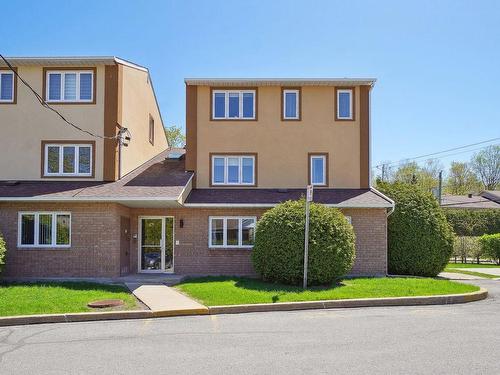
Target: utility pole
point(440, 187)
point(309, 198)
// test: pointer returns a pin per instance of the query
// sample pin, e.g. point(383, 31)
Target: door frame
point(162, 245)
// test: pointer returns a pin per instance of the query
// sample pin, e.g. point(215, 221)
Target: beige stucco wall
point(25, 124)
point(283, 146)
point(138, 102)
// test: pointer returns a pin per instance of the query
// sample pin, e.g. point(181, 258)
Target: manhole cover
point(105, 303)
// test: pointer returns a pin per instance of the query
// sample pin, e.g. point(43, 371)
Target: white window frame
point(226, 104)
point(224, 232)
point(311, 158)
point(343, 91)
point(297, 99)
point(37, 229)
point(61, 160)
point(240, 166)
point(349, 219)
point(2, 72)
point(63, 78)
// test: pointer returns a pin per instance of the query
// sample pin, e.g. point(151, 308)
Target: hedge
point(278, 253)
point(490, 244)
point(420, 240)
point(3, 251)
point(473, 222)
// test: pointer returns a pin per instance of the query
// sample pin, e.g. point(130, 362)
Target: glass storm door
point(157, 244)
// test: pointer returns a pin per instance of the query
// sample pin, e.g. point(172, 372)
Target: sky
point(437, 63)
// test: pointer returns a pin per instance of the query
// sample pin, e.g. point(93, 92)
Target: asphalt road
point(456, 339)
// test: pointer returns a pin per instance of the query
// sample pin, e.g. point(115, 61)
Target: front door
point(156, 245)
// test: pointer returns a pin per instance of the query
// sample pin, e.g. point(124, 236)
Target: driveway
point(456, 339)
point(488, 270)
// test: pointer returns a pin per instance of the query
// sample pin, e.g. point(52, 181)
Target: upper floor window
point(233, 104)
point(68, 160)
point(44, 229)
point(318, 167)
point(151, 130)
point(291, 104)
point(70, 86)
point(345, 107)
point(233, 170)
point(6, 87)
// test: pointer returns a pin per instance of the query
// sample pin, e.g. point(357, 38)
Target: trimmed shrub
point(278, 253)
point(490, 243)
point(3, 251)
point(473, 222)
point(420, 240)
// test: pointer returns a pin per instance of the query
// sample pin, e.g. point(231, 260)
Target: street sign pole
point(309, 198)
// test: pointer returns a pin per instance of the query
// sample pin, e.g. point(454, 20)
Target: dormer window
point(345, 104)
point(70, 86)
point(233, 104)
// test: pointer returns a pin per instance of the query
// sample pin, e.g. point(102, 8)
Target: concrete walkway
point(487, 270)
point(165, 301)
point(459, 276)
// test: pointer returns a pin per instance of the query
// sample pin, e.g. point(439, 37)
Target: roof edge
point(278, 81)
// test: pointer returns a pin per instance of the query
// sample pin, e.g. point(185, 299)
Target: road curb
point(238, 309)
point(350, 303)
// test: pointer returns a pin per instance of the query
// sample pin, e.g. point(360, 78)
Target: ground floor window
point(44, 229)
point(231, 231)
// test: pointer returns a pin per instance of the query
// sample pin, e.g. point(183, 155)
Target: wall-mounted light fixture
point(181, 223)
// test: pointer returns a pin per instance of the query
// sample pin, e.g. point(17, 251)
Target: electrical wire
point(44, 104)
point(402, 161)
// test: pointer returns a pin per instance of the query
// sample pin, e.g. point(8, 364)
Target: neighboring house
point(471, 202)
point(250, 145)
point(492, 195)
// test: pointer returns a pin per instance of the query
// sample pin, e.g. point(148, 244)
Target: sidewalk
point(165, 301)
point(459, 276)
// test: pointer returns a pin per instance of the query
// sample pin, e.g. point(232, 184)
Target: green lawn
point(471, 265)
point(61, 297)
point(213, 291)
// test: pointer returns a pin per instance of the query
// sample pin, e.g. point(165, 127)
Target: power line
point(440, 152)
point(44, 104)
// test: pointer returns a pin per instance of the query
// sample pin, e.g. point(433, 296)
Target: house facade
point(76, 205)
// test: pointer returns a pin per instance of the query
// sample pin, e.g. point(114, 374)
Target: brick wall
point(95, 242)
point(94, 251)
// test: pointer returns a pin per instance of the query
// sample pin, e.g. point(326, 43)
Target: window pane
point(232, 232)
point(45, 229)
point(52, 159)
point(84, 160)
point(217, 234)
point(247, 170)
point(247, 231)
point(233, 170)
point(218, 170)
point(248, 105)
point(68, 159)
point(54, 86)
point(220, 106)
point(85, 86)
point(62, 230)
point(344, 105)
point(290, 105)
point(7, 86)
point(234, 105)
point(70, 86)
point(28, 229)
point(317, 171)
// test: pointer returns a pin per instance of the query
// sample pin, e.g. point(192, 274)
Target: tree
point(461, 179)
point(175, 136)
point(407, 173)
point(486, 163)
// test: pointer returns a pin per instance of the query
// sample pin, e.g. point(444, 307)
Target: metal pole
point(440, 188)
point(306, 245)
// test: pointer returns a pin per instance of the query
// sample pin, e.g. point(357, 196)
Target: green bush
point(466, 247)
point(473, 222)
point(420, 240)
point(490, 243)
point(3, 251)
point(278, 253)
